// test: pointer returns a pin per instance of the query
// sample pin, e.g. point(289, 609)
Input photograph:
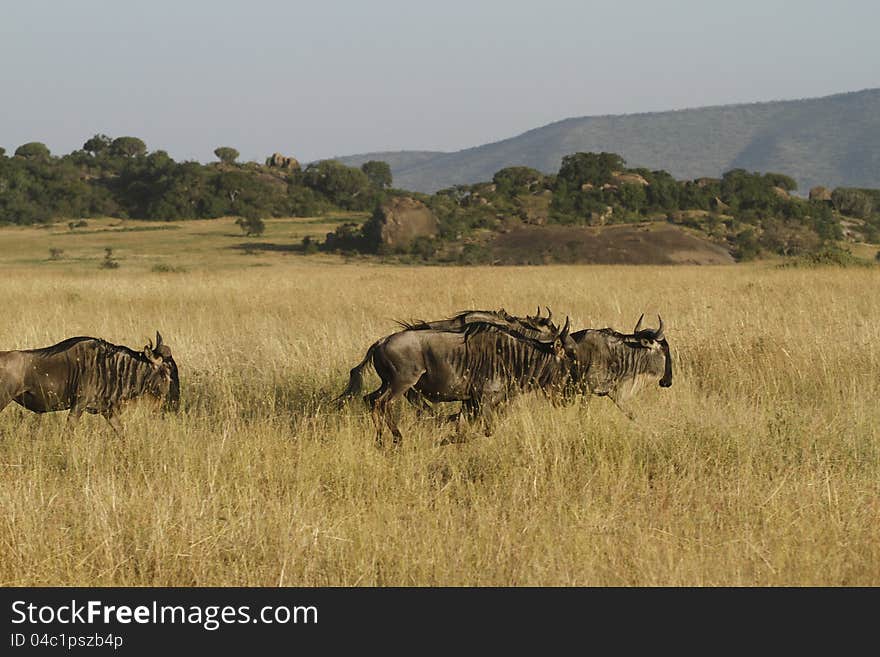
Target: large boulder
point(718, 205)
point(819, 193)
point(781, 193)
point(280, 161)
point(629, 178)
point(400, 220)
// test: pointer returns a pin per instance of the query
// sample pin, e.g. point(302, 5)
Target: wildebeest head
point(659, 360)
point(164, 382)
point(563, 343)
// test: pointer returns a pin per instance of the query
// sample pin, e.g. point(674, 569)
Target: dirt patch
point(634, 244)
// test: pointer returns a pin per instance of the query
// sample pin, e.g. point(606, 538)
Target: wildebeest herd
point(480, 358)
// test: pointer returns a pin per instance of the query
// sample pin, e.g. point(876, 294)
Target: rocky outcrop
point(629, 178)
point(718, 205)
point(399, 221)
point(781, 193)
point(280, 161)
point(819, 193)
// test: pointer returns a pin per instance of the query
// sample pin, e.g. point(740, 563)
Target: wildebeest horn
point(565, 328)
point(658, 334)
point(158, 339)
point(639, 324)
point(549, 313)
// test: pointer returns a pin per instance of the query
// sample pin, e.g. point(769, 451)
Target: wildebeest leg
point(489, 412)
point(623, 410)
point(372, 400)
point(396, 389)
point(455, 417)
point(390, 397)
point(557, 397)
point(112, 417)
point(417, 399)
point(73, 418)
point(471, 411)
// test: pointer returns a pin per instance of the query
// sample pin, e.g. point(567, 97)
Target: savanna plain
point(759, 466)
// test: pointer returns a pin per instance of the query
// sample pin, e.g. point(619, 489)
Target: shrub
point(852, 202)
point(164, 268)
point(56, 254)
point(746, 245)
point(109, 262)
point(251, 226)
point(309, 246)
point(830, 255)
point(475, 254)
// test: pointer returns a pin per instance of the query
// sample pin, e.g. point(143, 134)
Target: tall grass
point(760, 466)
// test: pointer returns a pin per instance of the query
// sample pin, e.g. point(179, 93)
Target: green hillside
point(832, 141)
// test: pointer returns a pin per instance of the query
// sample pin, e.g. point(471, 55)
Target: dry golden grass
point(760, 466)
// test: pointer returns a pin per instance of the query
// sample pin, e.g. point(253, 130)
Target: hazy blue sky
point(322, 78)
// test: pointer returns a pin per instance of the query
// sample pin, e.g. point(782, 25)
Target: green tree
point(378, 172)
point(251, 225)
point(128, 147)
point(633, 197)
point(781, 180)
point(345, 186)
point(746, 245)
point(593, 168)
point(33, 150)
point(515, 180)
point(747, 191)
point(97, 144)
point(2, 152)
point(664, 192)
point(226, 154)
point(852, 202)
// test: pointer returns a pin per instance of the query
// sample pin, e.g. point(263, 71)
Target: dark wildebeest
point(481, 366)
point(537, 327)
point(612, 364)
point(89, 375)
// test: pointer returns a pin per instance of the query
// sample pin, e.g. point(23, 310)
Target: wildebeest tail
point(356, 376)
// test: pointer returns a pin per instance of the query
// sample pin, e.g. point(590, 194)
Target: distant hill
point(397, 160)
point(832, 141)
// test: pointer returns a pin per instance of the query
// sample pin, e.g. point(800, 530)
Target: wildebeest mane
point(470, 322)
point(476, 328)
point(64, 345)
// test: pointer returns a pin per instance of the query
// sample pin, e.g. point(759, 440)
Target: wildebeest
point(612, 364)
point(480, 364)
point(91, 375)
